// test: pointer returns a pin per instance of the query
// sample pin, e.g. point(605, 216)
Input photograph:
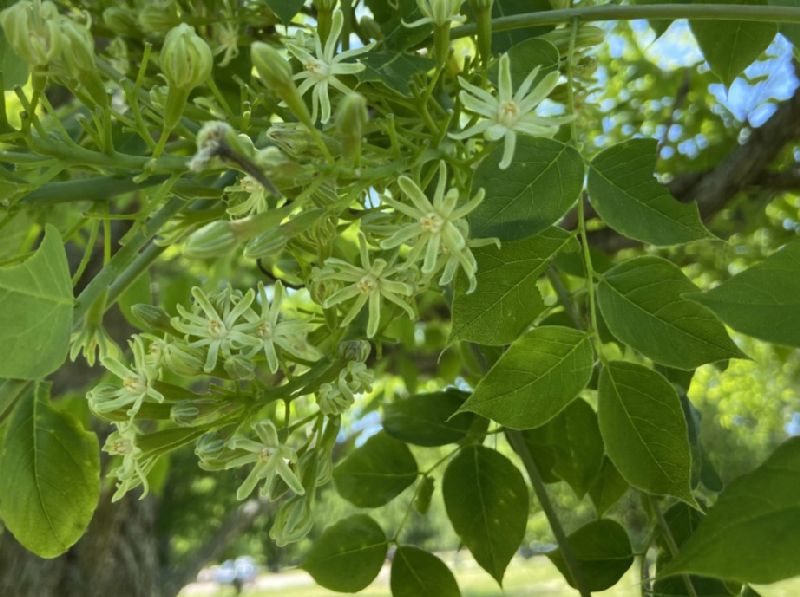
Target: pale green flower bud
point(153, 317)
point(186, 58)
point(184, 413)
point(77, 48)
point(158, 17)
point(351, 119)
point(32, 30)
point(121, 20)
point(293, 521)
point(182, 359)
point(266, 244)
point(210, 241)
point(272, 67)
point(239, 367)
point(355, 350)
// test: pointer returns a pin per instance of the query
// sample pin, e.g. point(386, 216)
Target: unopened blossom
point(270, 458)
point(221, 328)
point(334, 399)
point(321, 69)
point(506, 114)
point(438, 13)
point(269, 332)
point(437, 226)
point(366, 285)
point(137, 383)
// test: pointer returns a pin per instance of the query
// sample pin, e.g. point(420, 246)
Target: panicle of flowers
point(438, 227)
point(367, 285)
point(504, 115)
point(335, 399)
point(321, 69)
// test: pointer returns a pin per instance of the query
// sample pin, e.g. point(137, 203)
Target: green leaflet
point(375, 473)
point(506, 300)
point(393, 69)
point(538, 188)
point(644, 429)
point(730, 47)
point(758, 513)
point(348, 555)
point(527, 55)
point(603, 553)
point(426, 419)
point(569, 447)
point(36, 311)
point(625, 194)
point(763, 301)
point(607, 487)
point(285, 9)
point(540, 374)
point(487, 502)
point(417, 573)
point(642, 303)
point(50, 467)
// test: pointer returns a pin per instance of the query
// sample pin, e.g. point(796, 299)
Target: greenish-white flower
point(256, 202)
point(269, 332)
point(506, 114)
point(321, 69)
point(270, 458)
point(438, 13)
point(437, 227)
point(366, 285)
point(220, 328)
point(131, 472)
point(137, 383)
point(334, 399)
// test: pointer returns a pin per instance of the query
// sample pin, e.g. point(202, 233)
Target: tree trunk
point(117, 556)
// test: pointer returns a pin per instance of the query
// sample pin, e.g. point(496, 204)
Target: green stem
point(672, 546)
point(517, 442)
point(659, 12)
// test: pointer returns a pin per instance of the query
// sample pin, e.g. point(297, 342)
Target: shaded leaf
point(625, 194)
point(642, 302)
point(763, 301)
point(50, 467)
point(540, 374)
point(503, 8)
point(487, 502)
point(375, 473)
point(285, 9)
point(36, 311)
point(644, 429)
point(603, 553)
point(393, 69)
point(506, 299)
point(607, 488)
point(425, 420)
point(348, 555)
point(534, 192)
point(759, 510)
point(417, 573)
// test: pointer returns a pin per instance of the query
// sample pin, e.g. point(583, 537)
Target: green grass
point(523, 578)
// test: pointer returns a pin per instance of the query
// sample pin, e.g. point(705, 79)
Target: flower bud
point(121, 20)
point(77, 48)
point(153, 317)
point(271, 66)
point(209, 446)
point(351, 119)
point(158, 17)
point(293, 521)
point(355, 350)
point(370, 28)
point(32, 30)
point(182, 359)
point(266, 244)
point(239, 367)
point(184, 413)
point(212, 240)
point(186, 59)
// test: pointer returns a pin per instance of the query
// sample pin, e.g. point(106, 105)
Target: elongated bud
point(186, 58)
point(351, 119)
point(293, 521)
point(239, 367)
point(483, 20)
point(275, 71)
point(210, 241)
point(153, 317)
point(355, 350)
point(266, 244)
point(422, 501)
point(77, 58)
point(32, 30)
point(121, 20)
point(158, 17)
point(184, 413)
point(183, 360)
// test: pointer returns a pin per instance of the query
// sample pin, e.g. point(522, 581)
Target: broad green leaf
point(603, 553)
point(425, 420)
point(504, 8)
point(569, 446)
point(763, 301)
point(36, 312)
point(50, 467)
point(487, 502)
point(682, 521)
point(417, 573)
point(506, 300)
point(540, 374)
point(607, 488)
point(11, 390)
point(758, 513)
point(644, 429)
point(526, 56)
point(533, 193)
point(642, 302)
point(348, 555)
point(375, 473)
point(394, 69)
point(625, 194)
point(285, 9)
point(729, 47)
